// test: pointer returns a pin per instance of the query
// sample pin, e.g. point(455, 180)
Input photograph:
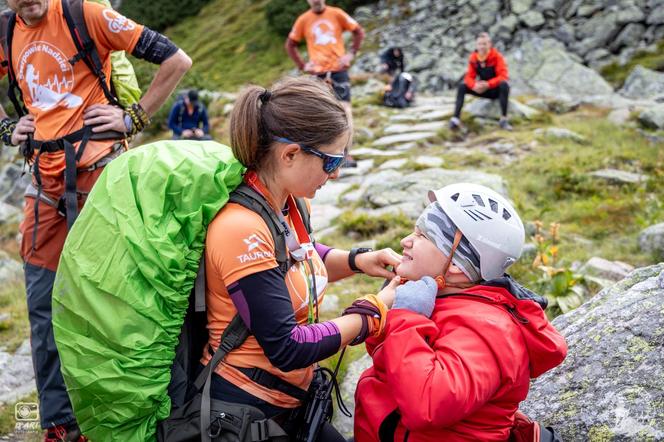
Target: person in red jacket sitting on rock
point(463, 339)
point(486, 77)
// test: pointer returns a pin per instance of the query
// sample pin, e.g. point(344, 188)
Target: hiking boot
point(455, 123)
point(504, 124)
point(64, 433)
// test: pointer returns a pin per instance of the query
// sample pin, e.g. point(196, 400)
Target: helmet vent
point(455, 197)
point(476, 215)
point(506, 215)
point(494, 205)
point(479, 200)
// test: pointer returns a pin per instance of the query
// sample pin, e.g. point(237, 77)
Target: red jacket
point(460, 375)
point(495, 60)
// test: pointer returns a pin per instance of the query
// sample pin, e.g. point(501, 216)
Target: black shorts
point(340, 83)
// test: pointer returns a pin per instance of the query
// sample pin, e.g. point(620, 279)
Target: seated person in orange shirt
point(293, 139)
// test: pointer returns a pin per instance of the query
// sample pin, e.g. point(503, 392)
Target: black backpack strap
point(87, 50)
point(234, 335)
point(7, 25)
point(252, 200)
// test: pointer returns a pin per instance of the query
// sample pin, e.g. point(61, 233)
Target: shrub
point(162, 14)
point(366, 225)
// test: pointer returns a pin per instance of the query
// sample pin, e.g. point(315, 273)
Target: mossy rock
point(611, 386)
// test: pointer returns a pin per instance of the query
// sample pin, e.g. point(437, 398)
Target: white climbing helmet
point(488, 221)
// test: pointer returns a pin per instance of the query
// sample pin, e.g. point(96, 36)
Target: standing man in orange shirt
point(71, 127)
point(322, 27)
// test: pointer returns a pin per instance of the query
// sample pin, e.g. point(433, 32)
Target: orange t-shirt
point(55, 92)
point(239, 244)
point(324, 35)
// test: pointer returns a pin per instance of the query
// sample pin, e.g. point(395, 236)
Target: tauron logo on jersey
point(50, 79)
point(118, 23)
point(253, 242)
point(323, 31)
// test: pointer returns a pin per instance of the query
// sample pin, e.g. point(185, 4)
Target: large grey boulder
point(561, 133)
point(17, 377)
point(9, 214)
point(605, 269)
point(651, 240)
point(656, 16)
point(629, 37)
point(505, 27)
point(596, 32)
point(491, 109)
point(11, 271)
point(616, 176)
point(521, 6)
point(543, 67)
point(532, 19)
point(643, 83)
point(611, 386)
point(392, 188)
point(631, 14)
point(653, 117)
point(12, 184)
point(391, 140)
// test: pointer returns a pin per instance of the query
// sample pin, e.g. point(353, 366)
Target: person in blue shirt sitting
point(186, 118)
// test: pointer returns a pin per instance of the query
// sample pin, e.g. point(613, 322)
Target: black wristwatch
point(353, 253)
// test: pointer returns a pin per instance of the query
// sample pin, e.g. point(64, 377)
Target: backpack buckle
point(260, 431)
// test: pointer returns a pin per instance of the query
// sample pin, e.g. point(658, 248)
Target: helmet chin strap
point(440, 280)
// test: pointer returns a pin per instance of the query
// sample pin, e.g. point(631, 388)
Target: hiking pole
point(319, 409)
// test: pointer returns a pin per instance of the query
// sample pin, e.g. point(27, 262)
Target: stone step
point(421, 127)
point(370, 152)
point(390, 140)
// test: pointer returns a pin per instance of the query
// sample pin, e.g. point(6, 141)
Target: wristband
point(139, 118)
point(353, 253)
point(374, 311)
point(7, 127)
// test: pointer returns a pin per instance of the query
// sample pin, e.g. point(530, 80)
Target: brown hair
point(302, 109)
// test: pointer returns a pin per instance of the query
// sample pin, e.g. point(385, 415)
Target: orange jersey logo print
point(55, 87)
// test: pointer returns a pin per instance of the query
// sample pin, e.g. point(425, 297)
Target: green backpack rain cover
point(124, 278)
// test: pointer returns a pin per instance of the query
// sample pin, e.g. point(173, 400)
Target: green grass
point(231, 45)
point(552, 184)
point(17, 330)
point(616, 74)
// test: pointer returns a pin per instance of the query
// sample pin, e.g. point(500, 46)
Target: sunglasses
point(330, 162)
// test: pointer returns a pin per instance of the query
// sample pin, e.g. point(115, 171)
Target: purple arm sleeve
point(323, 250)
point(263, 302)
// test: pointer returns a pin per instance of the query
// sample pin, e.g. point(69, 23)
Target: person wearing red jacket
point(486, 77)
point(463, 340)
